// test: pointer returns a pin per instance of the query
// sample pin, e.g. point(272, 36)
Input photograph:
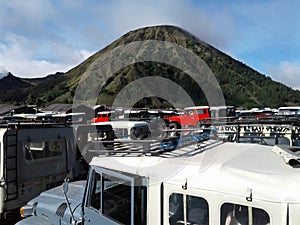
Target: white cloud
point(216, 28)
point(45, 37)
point(42, 37)
point(286, 72)
point(3, 72)
point(18, 57)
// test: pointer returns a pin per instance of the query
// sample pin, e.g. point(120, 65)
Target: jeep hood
point(52, 205)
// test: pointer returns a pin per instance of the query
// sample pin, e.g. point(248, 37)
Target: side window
point(241, 214)
point(118, 132)
point(43, 149)
point(187, 209)
point(121, 132)
point(188, 112)
point(200, 111)
point(213, 113)
point(122, 200)
point(95, 195)
point(116, 199)
point(175, 208)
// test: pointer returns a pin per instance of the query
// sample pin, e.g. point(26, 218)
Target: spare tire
point(133, 133)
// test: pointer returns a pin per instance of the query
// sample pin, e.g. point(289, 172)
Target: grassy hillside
point(241, 85)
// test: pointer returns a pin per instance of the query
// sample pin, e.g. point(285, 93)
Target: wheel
point(174, 125)
point(133, 133)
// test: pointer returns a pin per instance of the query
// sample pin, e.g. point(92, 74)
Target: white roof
point(105, 112)
point(197, 107)
point(231, 168)
point(68, 114)
point(222, 107)
point(123, 123)
point(289, 107)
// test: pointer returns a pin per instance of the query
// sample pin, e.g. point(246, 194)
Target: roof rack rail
point(121, 148)
point(127, 147)
point(69, 118)
point(233, 132)
point(32, 124)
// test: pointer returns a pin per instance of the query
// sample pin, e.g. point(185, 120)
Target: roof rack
point(122, 148)
point(235, 132)
point(283, 120)
point(195, 141)
point(66, 119)
point(31, 124)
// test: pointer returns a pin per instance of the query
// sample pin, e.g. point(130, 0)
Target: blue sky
point(40, 37)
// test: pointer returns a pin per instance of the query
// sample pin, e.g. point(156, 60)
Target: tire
point(133, 134)
point(174, 125)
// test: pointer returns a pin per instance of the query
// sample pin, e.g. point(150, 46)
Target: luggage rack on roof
point(62, 119)
point(26, 123)
point(276, 120)
point(263, 133)
point(195, 140)
point(185, 144)
point(143, 148)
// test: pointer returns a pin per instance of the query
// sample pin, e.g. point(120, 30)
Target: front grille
point(61, 210)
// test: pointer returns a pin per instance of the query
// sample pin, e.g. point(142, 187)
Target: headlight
point(26, 210)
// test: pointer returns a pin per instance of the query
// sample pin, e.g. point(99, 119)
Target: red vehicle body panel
point(102, 117)
point(191, 116)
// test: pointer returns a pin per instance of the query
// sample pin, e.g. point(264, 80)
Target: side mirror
point(66, 185)
point(65, 190)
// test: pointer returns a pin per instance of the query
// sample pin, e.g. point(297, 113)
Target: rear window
point(43, 149)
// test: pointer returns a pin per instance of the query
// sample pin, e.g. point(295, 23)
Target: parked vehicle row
point(204, 115)
point(31, 148)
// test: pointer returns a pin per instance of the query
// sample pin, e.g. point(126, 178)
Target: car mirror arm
point(65, 191)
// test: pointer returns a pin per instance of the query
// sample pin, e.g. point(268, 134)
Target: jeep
point(192, 116)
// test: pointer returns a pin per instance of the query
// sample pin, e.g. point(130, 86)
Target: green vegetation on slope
point(241, 85)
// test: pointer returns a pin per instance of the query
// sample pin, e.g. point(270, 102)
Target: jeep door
point(114, 198)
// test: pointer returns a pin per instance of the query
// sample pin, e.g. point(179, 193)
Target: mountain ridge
point(241, 85)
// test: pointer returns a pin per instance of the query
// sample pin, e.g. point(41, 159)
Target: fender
point(34, 220)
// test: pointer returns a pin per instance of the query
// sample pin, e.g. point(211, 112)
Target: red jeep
point(102, 117)
point(192, 116)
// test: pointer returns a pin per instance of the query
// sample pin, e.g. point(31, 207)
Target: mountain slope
point(10, 81)
point(241, 85)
